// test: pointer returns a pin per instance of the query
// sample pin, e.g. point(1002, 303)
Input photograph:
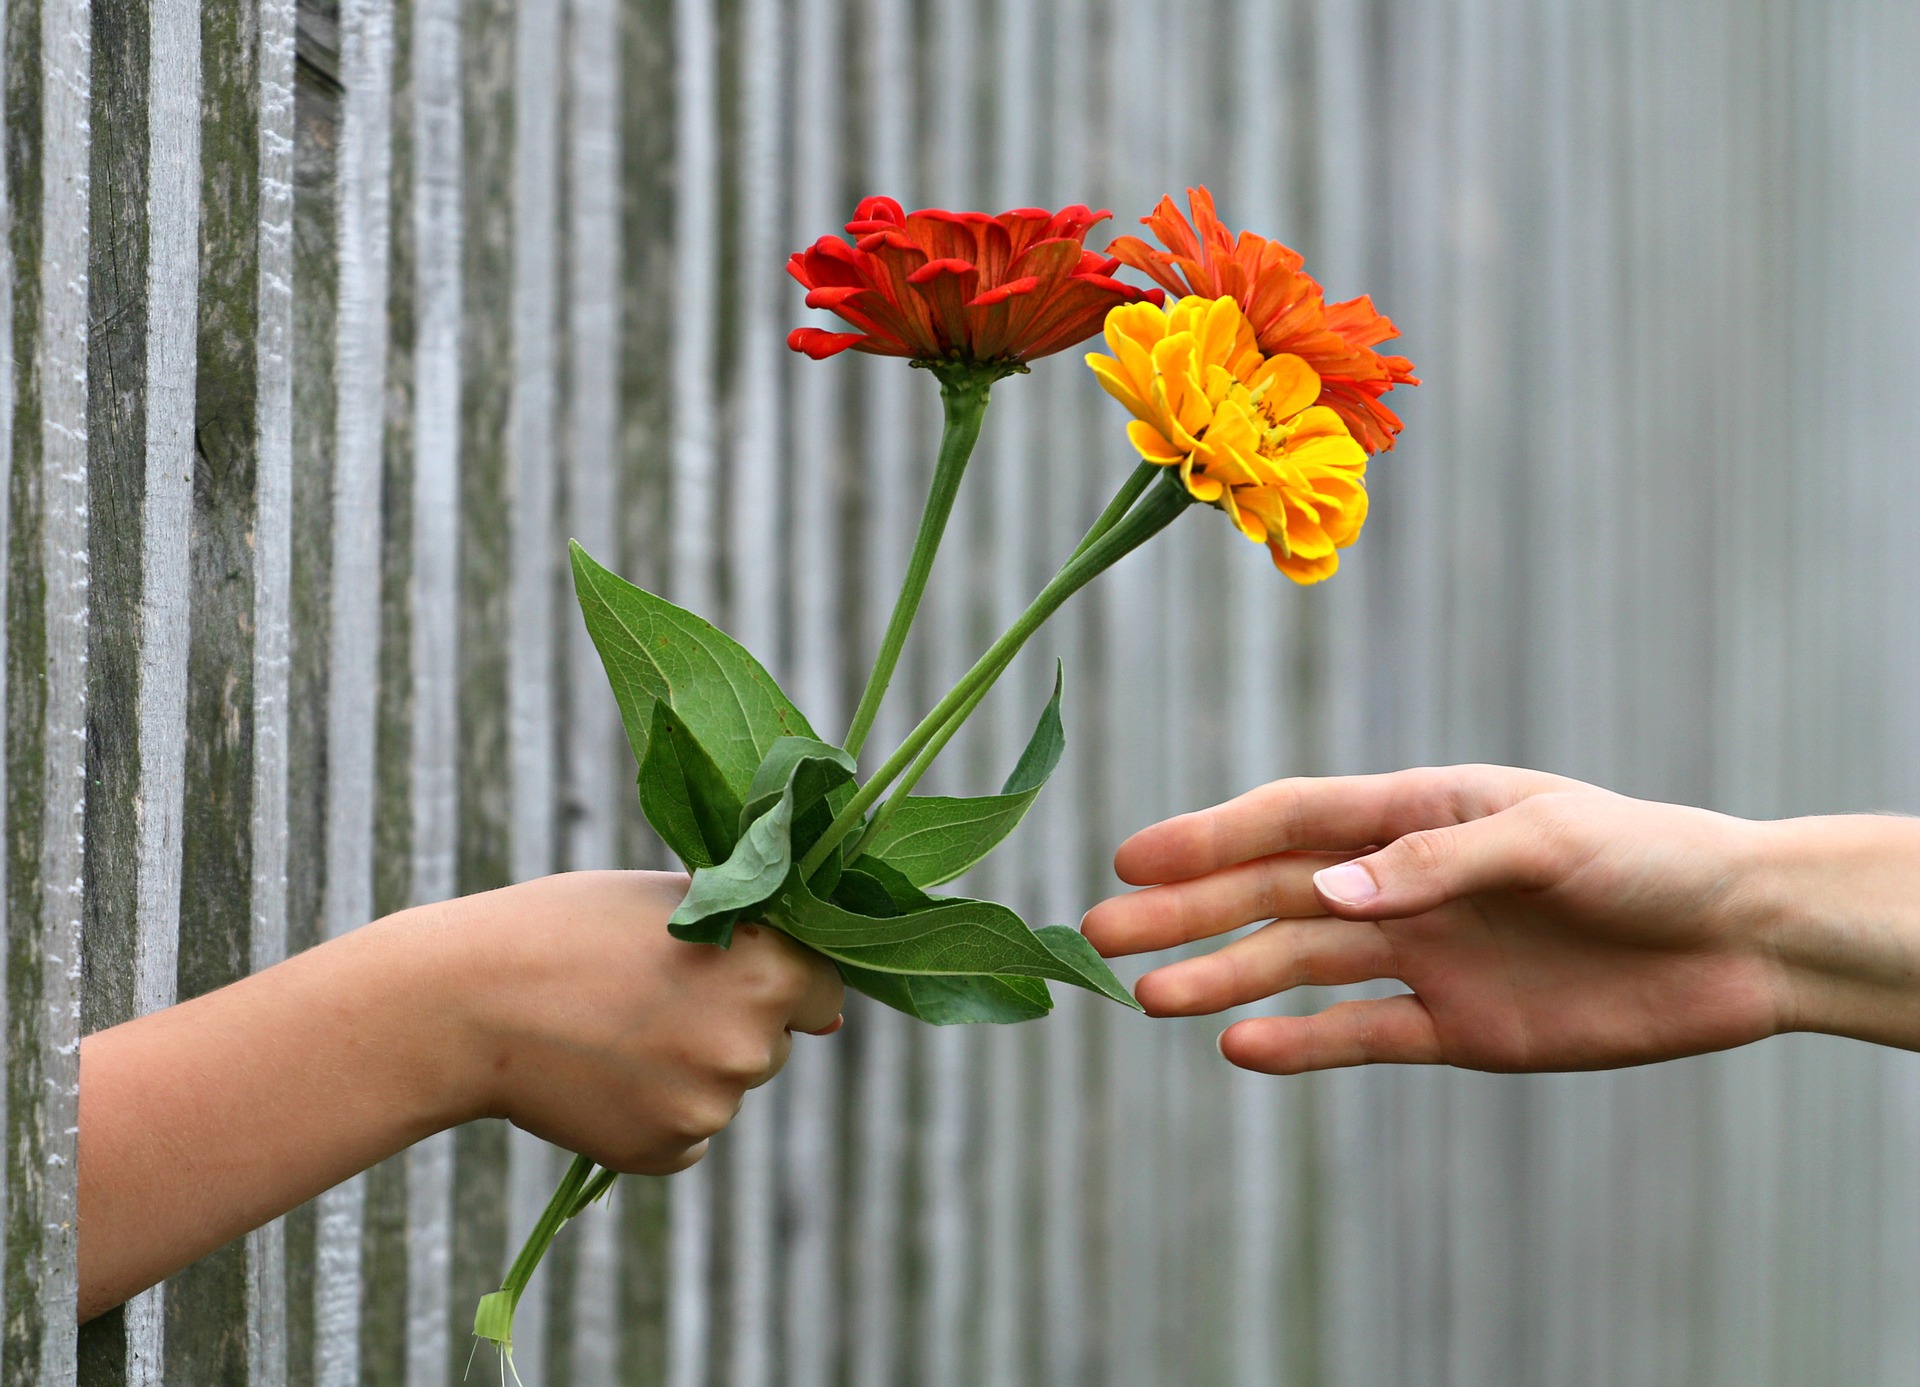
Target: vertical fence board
point(594, 785)
point(117, 345)
point(877, 1297)
point(649, 92)
point(268, 1325)
point(484, 854)
point(437, 239)
point(532, 422)
point(693, 573)
point(353, 687)
point(49, 155)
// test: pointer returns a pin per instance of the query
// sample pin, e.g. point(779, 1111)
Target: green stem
point(1137, 481)
point(1144, 521)
point(1123, 499)
point(592, 1190)
point(928, 754)
point(494, 1319)
point(963, 398)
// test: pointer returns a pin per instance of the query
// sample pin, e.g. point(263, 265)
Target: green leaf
point(796, 777)
point(1044, 748)
point(934, 838)
point(655, 651)
point(683, 794)
point(953, 938)
point(809, 765)
point(870, 887)
point(1071, 948)
point(948, 1001)
point(750, 878)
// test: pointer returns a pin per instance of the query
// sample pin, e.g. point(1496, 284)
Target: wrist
point(1839, 904)
point(436, 988)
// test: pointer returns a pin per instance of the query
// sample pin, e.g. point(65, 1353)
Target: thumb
point(1508, 851)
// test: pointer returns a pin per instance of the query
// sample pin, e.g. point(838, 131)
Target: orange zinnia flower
point(1287, 308)
point(959, 287)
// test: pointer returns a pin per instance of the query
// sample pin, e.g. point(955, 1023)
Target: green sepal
point(655, 651)
point(934, 838)
point(684, 796)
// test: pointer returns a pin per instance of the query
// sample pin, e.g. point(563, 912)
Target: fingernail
point(838, 1022)
point(1350, 883)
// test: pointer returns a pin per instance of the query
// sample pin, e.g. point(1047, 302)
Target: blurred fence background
point(328, 323)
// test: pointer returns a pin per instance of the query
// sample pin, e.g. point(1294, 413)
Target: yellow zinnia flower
point(1242, 428)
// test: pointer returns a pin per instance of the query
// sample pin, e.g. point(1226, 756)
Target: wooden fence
point(328, 323)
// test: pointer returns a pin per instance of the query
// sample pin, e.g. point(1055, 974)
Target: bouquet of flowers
point(1249, 394)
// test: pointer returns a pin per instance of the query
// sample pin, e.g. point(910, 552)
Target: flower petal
point(1151, 445)
point(820, 344)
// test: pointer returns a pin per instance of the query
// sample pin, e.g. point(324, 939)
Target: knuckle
point(1268, 895)
point(1426, 853)
point(673, 1163)
point(704, 1116)
point(1554, 837)
point(743, 1063)
point(1287, 808)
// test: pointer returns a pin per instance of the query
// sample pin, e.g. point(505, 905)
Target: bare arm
point(561, 1004)
point(1541, 923)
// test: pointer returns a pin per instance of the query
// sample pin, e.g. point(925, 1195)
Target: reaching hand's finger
point(1392, 1030)
point(1268, 888)
point(1287, 953)
point(1337, 814)
point(1519, 849)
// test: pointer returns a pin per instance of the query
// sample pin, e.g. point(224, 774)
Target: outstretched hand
point(1539, 922)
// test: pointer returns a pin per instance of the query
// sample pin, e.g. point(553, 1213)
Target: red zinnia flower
point(1288, 310)
point(962, 287)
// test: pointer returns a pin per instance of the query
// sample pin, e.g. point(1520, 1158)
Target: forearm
point(210, 1118)
point(1840, 900)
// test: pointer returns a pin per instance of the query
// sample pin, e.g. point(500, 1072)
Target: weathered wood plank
point(48, 70)
point(435, 234)
point(811, 1297)
point(353, 626)
point(649, 88)
point(535, 570)
point(314, 349)
point(116, 410)
point(487, 58)
point(877, 1318)
point(693, 579)
point(384, 1252)
point(268, 1328)
point(756, 525)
